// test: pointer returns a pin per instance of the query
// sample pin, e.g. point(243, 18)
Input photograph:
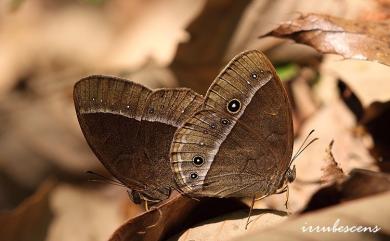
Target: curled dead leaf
point(353, 39)
point(331, 172)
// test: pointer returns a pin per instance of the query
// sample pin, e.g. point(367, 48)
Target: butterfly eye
point(198, 160)
point(194, 175)
point(254, 76)
point(234, 106)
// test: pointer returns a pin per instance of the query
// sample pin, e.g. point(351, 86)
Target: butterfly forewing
point(130, 128)
point(247, 123)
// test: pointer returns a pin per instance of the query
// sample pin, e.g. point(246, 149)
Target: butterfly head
point(288, 177)
point(291, 174)
point(134, 196)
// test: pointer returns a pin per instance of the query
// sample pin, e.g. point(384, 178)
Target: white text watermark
point(338, 228)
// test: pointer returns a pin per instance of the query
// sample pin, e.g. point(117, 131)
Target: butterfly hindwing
point(243, 133)
point(129, 128)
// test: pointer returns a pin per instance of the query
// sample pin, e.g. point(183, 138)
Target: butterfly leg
point(251, 208)
point(262, 197)
point(160, 214)
point(287, 195)
point(146, 205)
point(250, 212)
point(285, 189)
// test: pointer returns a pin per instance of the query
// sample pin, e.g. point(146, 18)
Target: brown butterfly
point(130, 128)
point(239, 144)
point(235, 142)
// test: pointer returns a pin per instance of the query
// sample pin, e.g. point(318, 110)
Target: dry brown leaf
point(363, 183)
point(154, 224)
point(198, 61)
point(331, 170)
point(262, 15)
point(232, 225)
point(174, 215)
point(359, 183)
point(372, 211)
point(31, 219)
point(352, 39)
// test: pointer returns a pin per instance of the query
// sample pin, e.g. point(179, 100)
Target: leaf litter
point(84, 212)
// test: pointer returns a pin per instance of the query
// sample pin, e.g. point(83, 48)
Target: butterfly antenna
point(308, 144)
point(304, 141)
point(303, 146)
point(160, 214)
point(104, 179)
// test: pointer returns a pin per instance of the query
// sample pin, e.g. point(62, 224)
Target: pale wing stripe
point(185, 182)
point(240, 75)
point(96, 97)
